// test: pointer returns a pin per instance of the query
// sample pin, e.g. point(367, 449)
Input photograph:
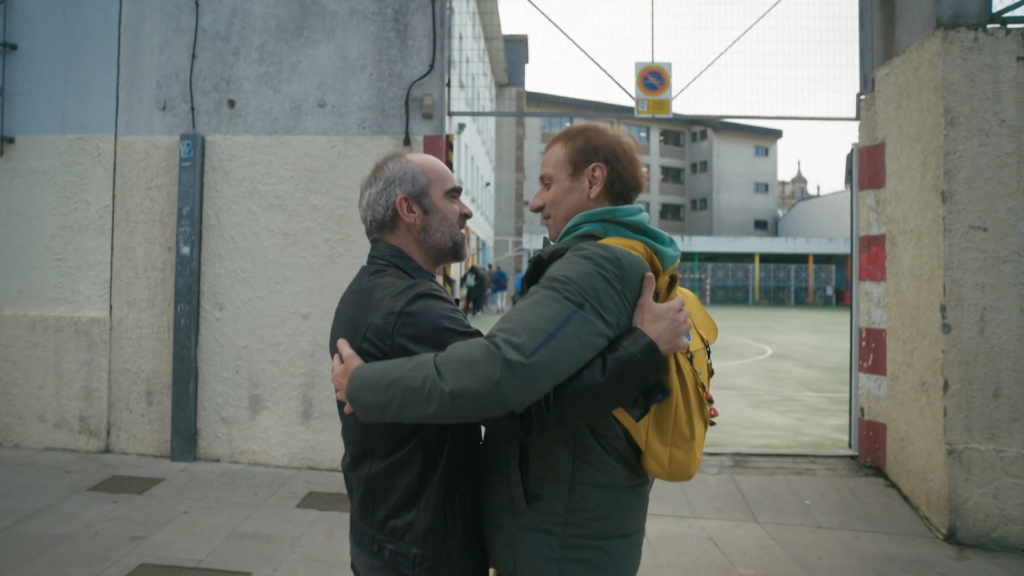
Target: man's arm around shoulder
point(580, 306)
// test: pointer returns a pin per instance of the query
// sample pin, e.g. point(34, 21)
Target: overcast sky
point(800, 60)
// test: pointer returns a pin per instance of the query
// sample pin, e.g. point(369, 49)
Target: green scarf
point(624, 222)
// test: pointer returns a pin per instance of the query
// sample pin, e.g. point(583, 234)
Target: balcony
point(675, 152)
point(673, 226)
point(672, 189)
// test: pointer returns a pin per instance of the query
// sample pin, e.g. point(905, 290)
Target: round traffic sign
point(652, 80)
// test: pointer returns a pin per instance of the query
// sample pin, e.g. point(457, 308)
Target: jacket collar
point(395, 256)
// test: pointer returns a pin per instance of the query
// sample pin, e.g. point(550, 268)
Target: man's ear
point(597, 175)
point(408, 209)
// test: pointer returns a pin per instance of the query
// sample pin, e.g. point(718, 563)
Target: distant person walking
point(499, 287)
point(476, 289)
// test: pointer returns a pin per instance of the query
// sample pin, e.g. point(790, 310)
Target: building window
point(703, 204)
point(673, 138)
point(555, 124)
point(693, 205)
point(641, 133)
point(761, 187)
point(693, 136)
point(704, 134)
point(671, 212)
point(760, 151)
point(703, 166)
point(646, 206)
point(672, 175)
point(693, 168)
point(760, 224)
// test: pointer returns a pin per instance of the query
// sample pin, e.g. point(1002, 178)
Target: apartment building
point(705, 177)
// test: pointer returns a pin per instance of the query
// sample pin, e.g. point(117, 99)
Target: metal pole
point(652, 30)
point(792, 284)
point(185, 344)
point(757, 277)
point(854, 286)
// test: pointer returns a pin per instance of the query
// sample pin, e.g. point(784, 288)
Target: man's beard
point(443, 240)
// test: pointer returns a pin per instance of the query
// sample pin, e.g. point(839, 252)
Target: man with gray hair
point(414, 488)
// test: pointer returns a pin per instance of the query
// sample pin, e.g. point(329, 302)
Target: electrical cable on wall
point(407, 142)
point(192, 67)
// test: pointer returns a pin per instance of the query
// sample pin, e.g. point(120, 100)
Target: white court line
point(756, 393)
point(768, 352)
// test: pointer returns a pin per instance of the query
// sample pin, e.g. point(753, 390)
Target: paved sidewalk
point(740, 516)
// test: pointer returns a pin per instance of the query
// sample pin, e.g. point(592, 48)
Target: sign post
point(653, 90)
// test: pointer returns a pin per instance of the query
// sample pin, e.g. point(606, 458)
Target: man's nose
point(536, 205)
point(465, 211)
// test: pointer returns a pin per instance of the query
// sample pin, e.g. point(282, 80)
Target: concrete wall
point(55, 224)
point(87, 250)
point(280, 243)
point(949, 209)
point(825, 216)
point(142, 294)
point(290, 68)
point(63, 77)
point(983, 225)
point(906, 113)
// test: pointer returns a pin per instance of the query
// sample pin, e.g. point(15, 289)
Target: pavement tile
point(886, 507)
point(75, 514)
point(834, 505)
point(290, 523)
point(298, 564)
point(774, 500)
point(249, 552)
point(146, 515)
point(125, 565)
point(1011, 564)
point(667, 499)
point(248, 485)
point(193, 484)
point(10, 456)
point(84, 554)
point(820, 551)
point(326, 541)
point(751, 549)
point(681, 546)
point(198, 531)
point(305, 481)
point(19, 549)
point(716, 497)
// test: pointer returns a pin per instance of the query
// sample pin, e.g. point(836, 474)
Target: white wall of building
point(825, 216)
point(736, 169)
point(473, 88)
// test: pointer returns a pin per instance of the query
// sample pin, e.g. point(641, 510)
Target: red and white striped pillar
point(872, 366)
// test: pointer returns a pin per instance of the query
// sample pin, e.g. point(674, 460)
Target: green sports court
point(782, 378)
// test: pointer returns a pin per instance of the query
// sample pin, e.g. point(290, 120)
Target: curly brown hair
point(591, 143)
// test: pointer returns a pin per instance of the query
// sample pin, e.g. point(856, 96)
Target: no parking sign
point(653, 90)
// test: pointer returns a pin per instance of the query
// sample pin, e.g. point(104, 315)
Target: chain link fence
point(776, 284)
point(730, 58)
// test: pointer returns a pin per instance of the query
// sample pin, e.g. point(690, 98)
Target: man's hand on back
point(344, 363)
point(667, 323)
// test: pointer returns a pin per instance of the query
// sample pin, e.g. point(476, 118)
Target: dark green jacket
point(571, 505)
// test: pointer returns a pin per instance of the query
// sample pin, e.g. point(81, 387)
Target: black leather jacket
point(414, 488)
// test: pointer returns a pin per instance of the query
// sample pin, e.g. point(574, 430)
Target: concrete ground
point(739, 516)
point(782, 380)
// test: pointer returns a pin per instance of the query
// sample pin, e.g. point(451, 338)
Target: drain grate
point(160, 570)
point(126, 485)
point(326, 502)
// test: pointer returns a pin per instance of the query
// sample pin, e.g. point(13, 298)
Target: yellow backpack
point(672, 433)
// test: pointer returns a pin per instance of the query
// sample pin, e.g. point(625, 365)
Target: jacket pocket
point(517, 480)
